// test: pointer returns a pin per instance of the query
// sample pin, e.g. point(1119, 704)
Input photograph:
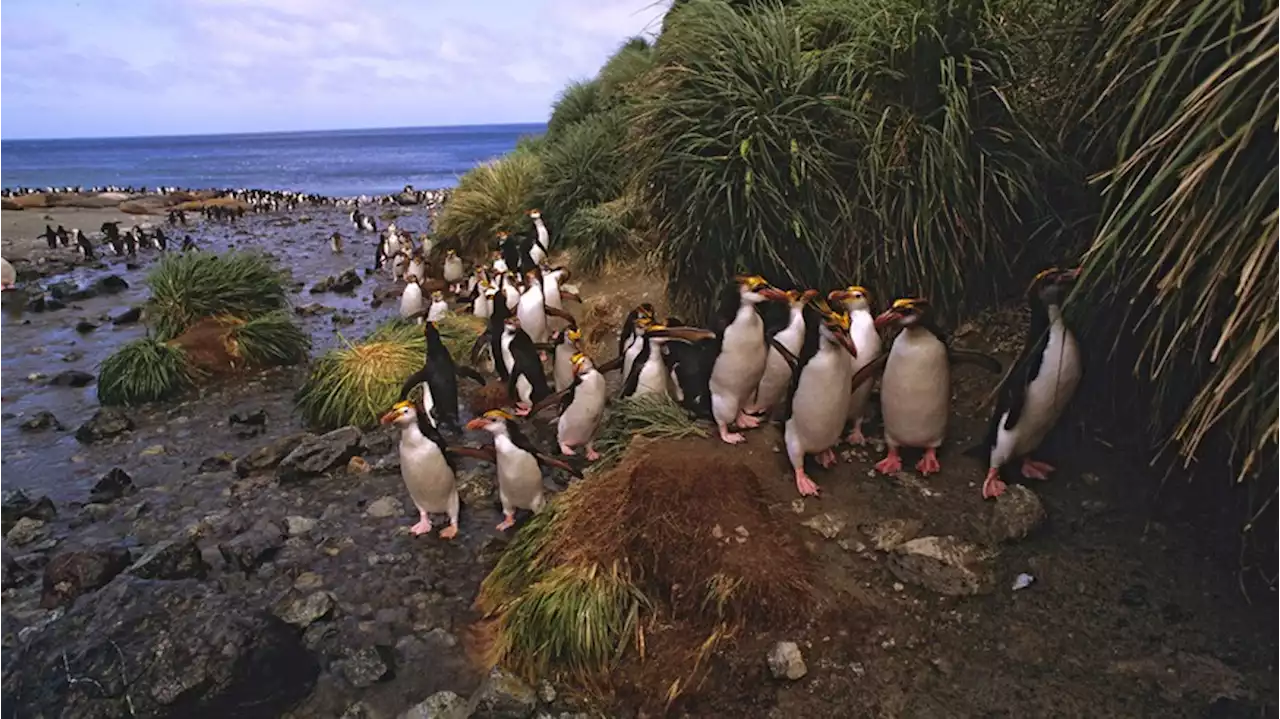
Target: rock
point(1016, 514)
point(307, 581)
point(15, 504)
point(71, 378)
point(85, 326)
point(112, 486)
point(342, 318)
point(946, 565)
point(302, 611)
point(105, 423)
point(270, 455)
point(171, 559)
point(73, 356)
point(128, 317)
point(889, 533)
point(361, 710)
point(828, 524)
point(385, 507)
point(378, 442)
point(786, 662)
point(152, 451)
point(310, 310)
point(216, 463)
point(546, 692)
point(315, 455)
point(73, 573)
point(474, 488)
point(41, 420)
point(504, 696)
point(365, 667)
point(256, 418)
point(64, 290)
point(296, 526)
point(348, 281)
point(109, 285)
point(248, 550)
point(25, 531)
point(184, 649)
point(358, 465)
point(441, 705)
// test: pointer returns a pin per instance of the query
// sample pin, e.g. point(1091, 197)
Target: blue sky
point(152, 67)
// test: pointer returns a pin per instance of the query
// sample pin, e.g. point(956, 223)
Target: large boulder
point(75, 572)
point(144, 648)
point(316, 455)
point(269, 455)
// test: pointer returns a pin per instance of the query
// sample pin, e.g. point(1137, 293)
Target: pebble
point(308, 581)
point(364, 668)
point(25, 531)
point(358, 465)
point(385, 507)
point(152, 451)
point(297, 526)
point(828, 524)
point(786, 662)
point(441, 705)
point(302, 612)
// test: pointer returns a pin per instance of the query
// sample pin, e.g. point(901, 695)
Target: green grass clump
point(608, 232)
point(144, 370)
point(583, 166)
point(647, 415)
point(357, 383)
point(624, 70)
point(189, 286)
point(272, 339)
point(458, 332)
point(577, 102)
point(490, 198)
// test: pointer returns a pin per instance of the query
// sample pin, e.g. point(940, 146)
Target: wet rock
point(342, 319)
point(73, 573)
point(296, 526)
point(474, 488)
point(25, 531)
point(105, 423)
point(249, 550)
point(109, 285)
point(786, 662)
point(216, 463)
point(366, 667)
point(303, 611)
point(40, 421)
point(828, 524)
point(73, 356)
point(308, 581)
point(128, 317)
point(71, 378)
point(15, 505)
point(1016, 514)
point(348, 281)
point(160, 649)
point(504, 696)
point(384, 507)
point(112, 486)
point(171, 559)
point(316, 455)
point(378, 442)
point(946, 565)
point(358, 465)
point(270, 455)
point(85, 326)
point(441, 705)
point(889, 533)
point(361, 710)
point(256, 418)
point(64, 290)
point(313, 309)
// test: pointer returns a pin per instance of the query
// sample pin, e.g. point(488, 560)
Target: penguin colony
point(810, 366)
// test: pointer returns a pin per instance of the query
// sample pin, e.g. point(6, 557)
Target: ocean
point(338, 163)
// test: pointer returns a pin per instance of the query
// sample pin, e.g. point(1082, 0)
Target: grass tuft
point(577, 102)
point(649, 415)
point(272, 339)
point(356, 384)
point(584, 166)
point(459, 333)
point(490, 198)
point(144, 370)
point(186, 287)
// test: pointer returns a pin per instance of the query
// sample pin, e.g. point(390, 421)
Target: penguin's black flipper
point(555, 398)
point(869, 370)
point(470, 373)
point(633, 379)
point(548, 460)
point(985, 361)
point(611, 365)
point(478, 345)
point(486, 453)
point(566, 294)
point(791, 359)
point(554, 312)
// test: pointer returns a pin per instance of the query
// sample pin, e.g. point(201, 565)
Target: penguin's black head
point(1050, 287)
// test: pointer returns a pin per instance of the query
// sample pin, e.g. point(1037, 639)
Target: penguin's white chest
point(654, 377)
point(553, 293)
point(578, 424)
point(519, 476)
point(563, 365)
point(777, 372)
point(482, 307)
point(410, 300)
point(453, 269)
point(508, 359)
point(1046, 397)
point(819, 407)
point(915, 393)
point(862, 330)
point(533, 315)
point(438, 311)
point(426, 474)
point(741, 361)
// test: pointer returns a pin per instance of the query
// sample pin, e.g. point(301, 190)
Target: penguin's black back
point(808, 348)
point(1013, 393)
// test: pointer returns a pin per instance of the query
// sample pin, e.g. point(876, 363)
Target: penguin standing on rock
point(741, 354)
point(519, 464)
point(428, 472)
point(915, 392)
point(1039, 387)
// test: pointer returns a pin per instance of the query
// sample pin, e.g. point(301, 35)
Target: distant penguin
point(84, 246)
point(50, 237)
point(439, 309)
point(8, 275)
point(335, 243)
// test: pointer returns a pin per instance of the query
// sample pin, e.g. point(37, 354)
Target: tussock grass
point(652, 416)
point(186, 287)
point(619, 76)
point(577, 102)
point(458, 332)
point(271, 339)
point(144, 370)
point(612, 232)
point(357, 383)
point(488, 199)
point(584, 166)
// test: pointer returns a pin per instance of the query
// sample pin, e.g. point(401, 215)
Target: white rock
point(785, 661)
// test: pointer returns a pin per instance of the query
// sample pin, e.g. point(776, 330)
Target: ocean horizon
point(336, 163)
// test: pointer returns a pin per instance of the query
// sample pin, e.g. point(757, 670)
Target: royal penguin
point(526, 383)
point(563, 369)
point(84, 246)
point(411, 301)
point(817, 402)
point(499, 263)
point(510, 290)
point(532, 309)
point(482, 304)
point(542, 242)
point(519, 465)
point(454, 270)
point(335, 243)
point(49, 236)
point(776, 379)
point(438, 379)
point(428, 472)
point(439, 309)
point(915, 391)
point(867, 345)
point(8, 275)
point(740, 354)
point(581, 408)
point(635, 344)
point(690, 364)
point(1039, 387)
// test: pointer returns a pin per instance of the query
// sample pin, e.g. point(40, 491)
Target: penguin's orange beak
point(847, 342)
point(389, 417)
point(477, 423)
point(887, 318)
point(839, 295)
point(774, 294)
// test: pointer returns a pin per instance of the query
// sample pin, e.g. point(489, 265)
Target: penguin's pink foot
point(891, 462)
point(592, 454)
point(522, 409)
point(827, 457)
point(746, 421)
point(449, 532)
point(566, 449)
point(730, 437)
point(422, 527)
point(542, 356)
point(856, 437)
point(804, 485)
point(929, 464)
point(508, 522)
point(992, 486)
point(1032, 469)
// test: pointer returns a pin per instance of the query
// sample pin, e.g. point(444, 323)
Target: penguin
point(335, 243)
point(526, 384)
point(355, 218)
point(915, 391)
point(690, 364)
point(532, 310)
point(567, 347)
point(439, 381)
point(492, 336)
point(817, 403)
point(188, 243)
point(84, 246)
point(8, 275)
point(776, 380)
point(499, 263)
point(740, 354)
point(1039, 387)
point(427, 469)
point(131, 243)
point(581, 408)
point(64, 238)
point(867, 348)
point(439, 309)
point(161, 242)
point(551, 282)
point(510, 292)
point(453, 269)
point(417, 266)
point(519, 464)
point(482, 305)
point(541, 247)
point(411, 302)
point(629, 344)
point(50, 237)
point(367, 224)
point(650, 373)
point(509, 252)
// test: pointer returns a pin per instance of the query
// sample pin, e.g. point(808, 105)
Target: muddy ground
point(1127, 615)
